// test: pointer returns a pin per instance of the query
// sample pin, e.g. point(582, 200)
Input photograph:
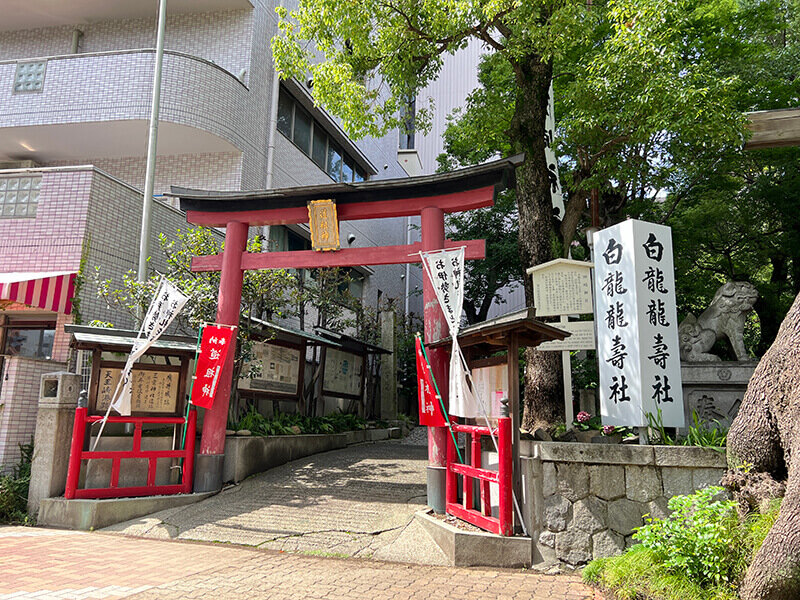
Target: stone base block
point(476, 549)
point(94, 514)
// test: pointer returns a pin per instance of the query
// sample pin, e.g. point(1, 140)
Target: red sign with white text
point(430, 408)
point(213, 349)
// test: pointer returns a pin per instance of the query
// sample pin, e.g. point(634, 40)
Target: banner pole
point(441, 402)
point(191, 387)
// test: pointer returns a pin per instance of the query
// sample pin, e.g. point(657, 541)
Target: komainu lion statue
point(724, 317)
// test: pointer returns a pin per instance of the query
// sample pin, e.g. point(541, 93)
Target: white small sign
point(637, 325)
point(581, 337)
point(556, 192)
point(562, 287)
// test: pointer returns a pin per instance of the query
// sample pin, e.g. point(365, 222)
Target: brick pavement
point(48, 564)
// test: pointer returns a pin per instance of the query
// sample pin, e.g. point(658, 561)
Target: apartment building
point(75, 95)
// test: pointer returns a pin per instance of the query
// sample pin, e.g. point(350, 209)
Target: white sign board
point(581, 337)
point(562, 287)
point(280, 370)
point(343, 373)
point(637, 325)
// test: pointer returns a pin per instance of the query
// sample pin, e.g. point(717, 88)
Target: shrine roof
point(495, 333)
point(349, 343)
point(498, 173)
point(90, 338)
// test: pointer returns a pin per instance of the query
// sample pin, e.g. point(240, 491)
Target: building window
point(32, 339)
point(29, 77)
point(19, 197)
point(310, 136)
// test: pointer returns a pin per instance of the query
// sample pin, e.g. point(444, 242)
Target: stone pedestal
point(58, 397)
point(714, 390)
point(388, 322)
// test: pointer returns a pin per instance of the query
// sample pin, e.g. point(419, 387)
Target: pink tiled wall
point(19, 399)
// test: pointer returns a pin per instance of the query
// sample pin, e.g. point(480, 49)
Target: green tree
point(378, 53)
point(266, 294)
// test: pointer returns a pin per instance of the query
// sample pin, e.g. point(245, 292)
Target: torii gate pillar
point(432, 219)
point(208, 465)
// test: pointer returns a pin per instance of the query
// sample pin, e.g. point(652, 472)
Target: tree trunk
point(766, 435)
point(543, 385)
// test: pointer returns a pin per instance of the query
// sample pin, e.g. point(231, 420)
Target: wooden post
point(566, 368)
point(513, 396)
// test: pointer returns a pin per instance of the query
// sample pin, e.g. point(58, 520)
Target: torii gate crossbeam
point(429, 197)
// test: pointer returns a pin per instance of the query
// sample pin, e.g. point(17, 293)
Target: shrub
point(14, 489)
point(285, 423)
point(699, 538)
point(700, 552)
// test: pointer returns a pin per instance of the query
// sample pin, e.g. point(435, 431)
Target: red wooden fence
point(503, 523)
point(78, 454)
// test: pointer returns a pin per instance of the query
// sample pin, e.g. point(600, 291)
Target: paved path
point(48, 564)
point(350, 502)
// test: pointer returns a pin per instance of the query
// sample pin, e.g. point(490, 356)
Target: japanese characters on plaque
point(562, 287)
point(324, 225)
point(637, 328)
point(151, 391)
point(581, 337)
point(280, 369)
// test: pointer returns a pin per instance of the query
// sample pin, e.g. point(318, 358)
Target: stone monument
point(713, 388)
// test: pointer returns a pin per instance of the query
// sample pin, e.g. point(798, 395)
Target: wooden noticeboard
point(344, 374)
point(281, 370)
point(562, 287)
point(155, 389)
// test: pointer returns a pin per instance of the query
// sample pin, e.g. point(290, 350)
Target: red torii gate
point(430, 197)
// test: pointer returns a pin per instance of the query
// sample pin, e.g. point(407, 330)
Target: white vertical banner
point(446, 271)
point(637, 328)
point(556, 192)
point(165, 306)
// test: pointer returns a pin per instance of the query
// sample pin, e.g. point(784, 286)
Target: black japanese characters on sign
point(613, 253)
point(653, 248)
point(654, 278)
point(619, 390)
point(618, 354)
point(637, 333)
point(661, 390)
point(615, 316)
point(612, 285)
point(660, 354)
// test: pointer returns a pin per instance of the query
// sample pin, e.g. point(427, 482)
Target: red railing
point(503, 523)
point(78, 454)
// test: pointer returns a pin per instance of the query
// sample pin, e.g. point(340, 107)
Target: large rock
point(607, 481)
point(642, 484)
point(548, 539)
point(549, 479)
point(703, 478)
point(574, 547)
point(572, 481)
point(677, 481)
point(658, 508)
point(624, 515)
point(556, 512)
point(607, 543)
point(589, 514)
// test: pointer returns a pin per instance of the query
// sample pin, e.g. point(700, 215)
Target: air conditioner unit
point(18, 164)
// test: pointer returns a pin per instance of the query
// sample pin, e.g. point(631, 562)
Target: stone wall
point(584, 500)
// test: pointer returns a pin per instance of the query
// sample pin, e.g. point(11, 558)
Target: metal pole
point(152, 141)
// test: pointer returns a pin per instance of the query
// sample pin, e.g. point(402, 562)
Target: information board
point(637, 325)
point(581, 337)
point(562, 287)
point(280, 370)
point(152, 391)
point(343, 373)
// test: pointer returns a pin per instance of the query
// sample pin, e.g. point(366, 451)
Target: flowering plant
point(586, 422)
